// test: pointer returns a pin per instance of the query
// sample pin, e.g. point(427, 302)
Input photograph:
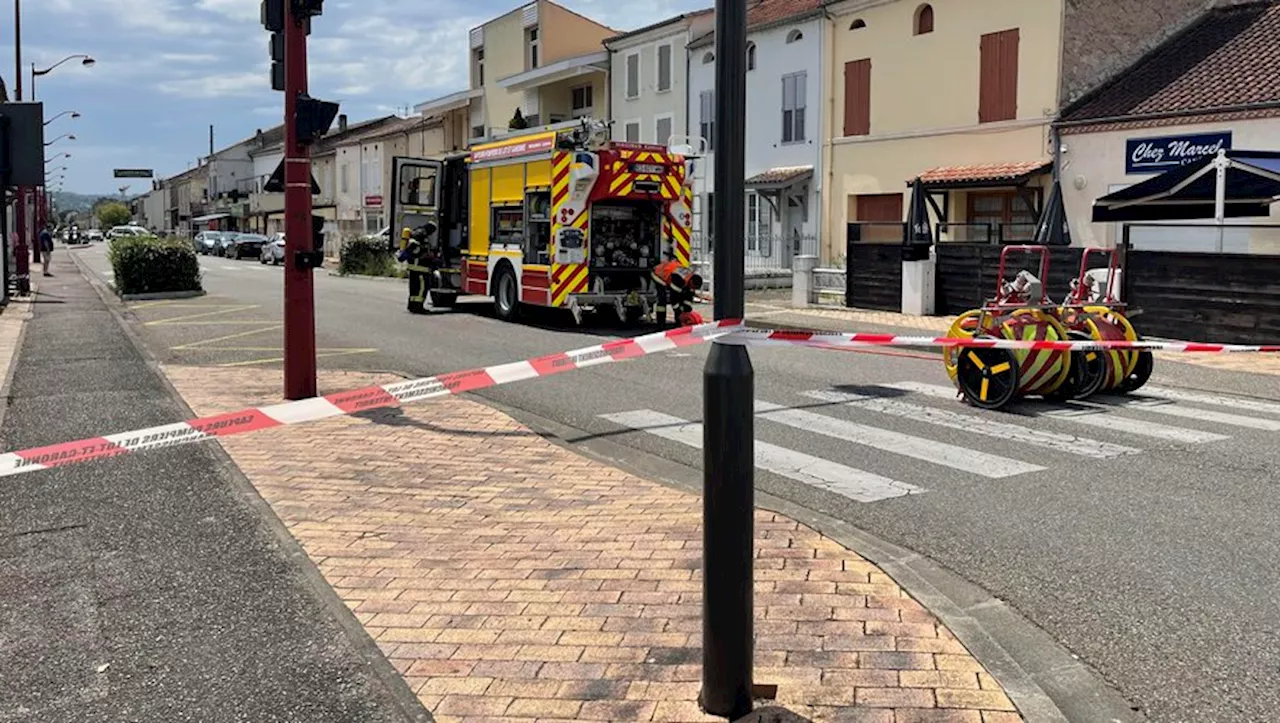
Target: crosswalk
point(921, 432)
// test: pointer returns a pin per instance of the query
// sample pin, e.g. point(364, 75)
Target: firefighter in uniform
point(418, 250)
point(677, 286)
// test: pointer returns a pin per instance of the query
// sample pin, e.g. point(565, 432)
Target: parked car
point(225, 239)
point(93, 235)
point(245, 244)
point(126, 231)
point(206, 242)
point(273, 250)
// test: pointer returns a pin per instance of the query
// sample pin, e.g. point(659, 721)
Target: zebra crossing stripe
point(1199, 415)
point(925, 450)
point(1079, 446)
point(1179, 395)
point(855, 484)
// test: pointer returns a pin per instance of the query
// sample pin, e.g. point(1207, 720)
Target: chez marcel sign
point(1157, 155)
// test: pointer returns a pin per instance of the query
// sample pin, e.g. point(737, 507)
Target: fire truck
point(559, 216)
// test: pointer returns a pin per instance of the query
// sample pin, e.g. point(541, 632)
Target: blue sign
point(1157, 155)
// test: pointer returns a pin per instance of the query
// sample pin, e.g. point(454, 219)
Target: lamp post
point(85, 60)
point(72, 113)
point(68, 136)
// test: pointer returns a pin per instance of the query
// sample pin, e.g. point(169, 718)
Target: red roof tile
point(993, 172)
point(782, 174)
point(1229, 57)
point(763, 13)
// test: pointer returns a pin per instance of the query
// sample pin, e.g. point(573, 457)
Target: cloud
point(241, 10)
point(189, 58)
point(218, 86)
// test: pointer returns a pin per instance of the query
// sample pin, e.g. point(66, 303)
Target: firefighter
point(418, 250)
point(677, 287)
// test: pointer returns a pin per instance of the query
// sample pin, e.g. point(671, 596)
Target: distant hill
point(78, 202)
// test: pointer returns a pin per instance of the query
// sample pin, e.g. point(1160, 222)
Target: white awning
point(557, 71)
point(453, 101)
point(210, 217)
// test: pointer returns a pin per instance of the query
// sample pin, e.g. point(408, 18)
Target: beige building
point(961, 94)
point(363, 164)
point(542, 59)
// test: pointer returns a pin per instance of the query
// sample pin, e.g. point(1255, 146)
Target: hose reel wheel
point(987, 377)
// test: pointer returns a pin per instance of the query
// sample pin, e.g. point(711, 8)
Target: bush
point(147, 265)
point(367, 257)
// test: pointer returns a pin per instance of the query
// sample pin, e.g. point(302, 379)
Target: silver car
point(273, 250)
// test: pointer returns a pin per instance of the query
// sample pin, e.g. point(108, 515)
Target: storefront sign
point(1157, 155)
point(373, 201)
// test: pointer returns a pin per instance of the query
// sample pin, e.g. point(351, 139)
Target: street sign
point(134, 173)
point(275, 184)
point(373, 201)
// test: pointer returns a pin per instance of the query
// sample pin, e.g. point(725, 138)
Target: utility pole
point(21, 260)
point(299, 287)
point(728, 469)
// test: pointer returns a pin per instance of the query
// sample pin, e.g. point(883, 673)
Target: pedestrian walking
point(46, 249)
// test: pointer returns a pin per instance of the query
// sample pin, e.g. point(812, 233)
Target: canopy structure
point(1052, 229)
point(1232, 184)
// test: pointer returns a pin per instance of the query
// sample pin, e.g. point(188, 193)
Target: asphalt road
point(1139, 534)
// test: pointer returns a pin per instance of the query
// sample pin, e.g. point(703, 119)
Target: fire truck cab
point(558, 216)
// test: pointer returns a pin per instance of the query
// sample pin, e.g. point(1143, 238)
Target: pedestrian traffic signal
point(276, 48)
point(272, 12)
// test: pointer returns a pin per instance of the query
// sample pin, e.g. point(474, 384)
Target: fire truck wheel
point(444, 299)
point(506, 301)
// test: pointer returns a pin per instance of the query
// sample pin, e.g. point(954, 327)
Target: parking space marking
point(228, 337)
point(207, 314)
point(319, 355)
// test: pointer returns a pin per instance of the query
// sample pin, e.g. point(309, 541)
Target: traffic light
point(312, 258)
point(314, 117)
point(272, 12)
point(307, 8)
point(277, 61)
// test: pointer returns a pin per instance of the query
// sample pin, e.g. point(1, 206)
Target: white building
point(783, 131)
point(648, 78)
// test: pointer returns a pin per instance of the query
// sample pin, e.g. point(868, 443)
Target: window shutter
point(664, 67)
point(998, 82)
point(1009, 74)
point(857, 97)
point(988, 81)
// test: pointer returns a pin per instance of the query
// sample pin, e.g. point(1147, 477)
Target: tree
point(517, 121)
point(113, 213)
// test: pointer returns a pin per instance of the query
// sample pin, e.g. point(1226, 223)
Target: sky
point(166, 70)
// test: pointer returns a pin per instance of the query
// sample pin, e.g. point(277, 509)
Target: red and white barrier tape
point(765, 337)
point(416, 390)
point(355, 400)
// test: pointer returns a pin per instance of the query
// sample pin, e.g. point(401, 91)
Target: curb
point(157, 295)
point(292, 550)
point(335, 274)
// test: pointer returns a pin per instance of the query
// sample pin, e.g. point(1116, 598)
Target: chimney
point(342, 122)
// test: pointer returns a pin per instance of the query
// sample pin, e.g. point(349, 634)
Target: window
point(708, 58)
point(531, 41)
point(998, 83)
point(478, 66)
point(631, 132)
point(924, 19)
point(707, 118)
point(793, 102)
point(858, 24)
point(662, 130)
point(477, 131)
point(1005, 208)
point(633, 75)
point(857, 97)
point(664, 68)
point(581, 103)
point(345, 175)
point(759, 222)
point(751, 56)
point(794, 35)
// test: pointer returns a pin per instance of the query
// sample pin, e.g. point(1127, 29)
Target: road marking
point(853, 483)
point(228, 337)
point(1081, 413)
point(925, 450)
point(1199, 415)
point(319, 355)
point(1179, 395)
point(189, 317)
point(230, 268)
point(1081, 446)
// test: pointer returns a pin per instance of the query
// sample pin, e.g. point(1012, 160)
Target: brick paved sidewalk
point(508, 578)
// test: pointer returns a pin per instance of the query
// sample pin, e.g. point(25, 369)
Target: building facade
point(542, 59)
point(648, 79)
point(784, 131)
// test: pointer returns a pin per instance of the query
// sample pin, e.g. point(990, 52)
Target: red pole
point(299, 299)
point(22, 270)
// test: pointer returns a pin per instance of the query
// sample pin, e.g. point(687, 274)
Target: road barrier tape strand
point(416, 390)
point(766, 337)
point(354, 400)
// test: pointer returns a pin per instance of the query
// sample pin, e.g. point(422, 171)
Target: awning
point(984, 175)
point(449, 102)
point(1232, 184)
point(778, 178)
point(560, 70)
point(210, 217)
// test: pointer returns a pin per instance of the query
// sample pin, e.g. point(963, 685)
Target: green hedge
point(367, 257)
point(146, 265)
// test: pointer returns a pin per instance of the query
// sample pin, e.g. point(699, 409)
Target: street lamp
point(84, 60)
point(72, 113)
point(49, 160)
point(68, 136)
